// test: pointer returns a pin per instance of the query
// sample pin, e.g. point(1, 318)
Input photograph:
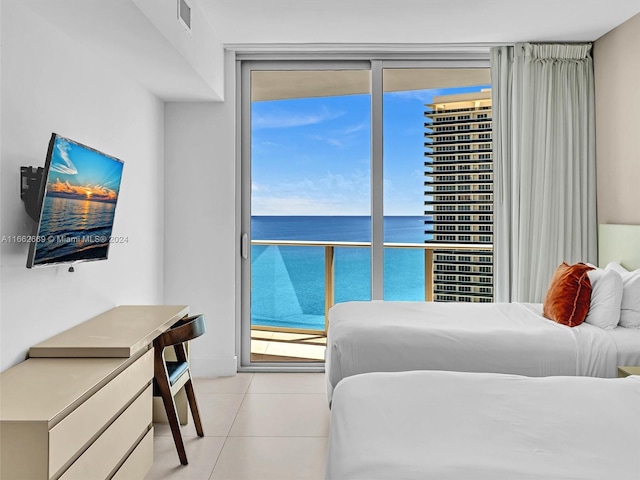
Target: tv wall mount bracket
point(31, 179)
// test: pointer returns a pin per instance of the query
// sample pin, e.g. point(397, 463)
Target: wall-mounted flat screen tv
point(78, 198)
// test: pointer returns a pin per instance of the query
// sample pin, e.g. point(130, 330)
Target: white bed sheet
point(627, 342)
point(511, 338)
point(460, 426)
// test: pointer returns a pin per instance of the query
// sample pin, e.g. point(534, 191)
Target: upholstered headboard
point(619, 243)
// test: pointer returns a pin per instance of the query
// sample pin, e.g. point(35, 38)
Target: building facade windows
point(469, 273)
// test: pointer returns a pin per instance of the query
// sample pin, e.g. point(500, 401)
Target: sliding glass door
point(309, 228)
point(335, 195)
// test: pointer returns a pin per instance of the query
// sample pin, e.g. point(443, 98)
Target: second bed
point(458, 426)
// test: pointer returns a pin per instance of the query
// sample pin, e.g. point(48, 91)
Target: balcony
point(301, 280)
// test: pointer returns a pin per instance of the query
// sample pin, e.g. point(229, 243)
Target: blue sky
point(80, 172)
point(311, 156)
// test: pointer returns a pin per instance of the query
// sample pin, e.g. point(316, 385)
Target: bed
point(509, 338)
point(458, 425)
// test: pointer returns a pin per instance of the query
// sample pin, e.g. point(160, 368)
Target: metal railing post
point(428, 274)
point(328, 283)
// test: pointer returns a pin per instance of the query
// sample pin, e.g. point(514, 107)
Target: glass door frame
point(375, 64)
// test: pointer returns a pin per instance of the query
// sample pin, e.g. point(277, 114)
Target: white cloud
point(331, 194)
point(356, 128)
point(302, 205)
point(285, 119)
point(329, 140)
point(340, 138)
point(425, 96)
point(66, 166)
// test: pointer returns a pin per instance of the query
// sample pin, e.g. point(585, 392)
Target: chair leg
point(191, 396)
point(172, 416)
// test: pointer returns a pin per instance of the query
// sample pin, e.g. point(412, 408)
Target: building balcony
point(289, 313)
point(439, 140)
point(461, 191)
point(431, 111)
point(438, 121)
point(294, 283)
point(439, 161)
point(472, 202)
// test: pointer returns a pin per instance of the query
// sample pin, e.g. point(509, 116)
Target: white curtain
point(544, 165)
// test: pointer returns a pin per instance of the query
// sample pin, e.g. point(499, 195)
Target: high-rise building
point(459, 194)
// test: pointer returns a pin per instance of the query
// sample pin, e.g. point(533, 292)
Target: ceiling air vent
point(184, 14)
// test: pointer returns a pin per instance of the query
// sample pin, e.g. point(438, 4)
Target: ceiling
point(142, 38)
point(283, 84)
point(246, 22)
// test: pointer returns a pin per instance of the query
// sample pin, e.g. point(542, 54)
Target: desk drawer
point(100, 459)
point(139, 462)
point(80, 426)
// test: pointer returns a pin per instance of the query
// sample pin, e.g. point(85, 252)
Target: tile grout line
point(226, 437)
point(245, 397)
point(218, 458)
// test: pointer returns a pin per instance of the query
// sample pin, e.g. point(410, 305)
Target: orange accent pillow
point(569, 295)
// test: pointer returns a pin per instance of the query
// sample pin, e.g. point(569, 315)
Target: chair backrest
point(184, 330)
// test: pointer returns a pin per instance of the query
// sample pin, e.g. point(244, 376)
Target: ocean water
point(73, 229)
point(287, 287)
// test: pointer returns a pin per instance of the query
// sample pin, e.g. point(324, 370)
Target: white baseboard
point(214, 366)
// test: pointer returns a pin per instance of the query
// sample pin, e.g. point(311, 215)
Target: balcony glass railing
point(294, 282)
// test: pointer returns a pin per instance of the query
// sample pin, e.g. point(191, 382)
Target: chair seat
point(175, 370)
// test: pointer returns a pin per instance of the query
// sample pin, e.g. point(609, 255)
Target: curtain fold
point(544, 165)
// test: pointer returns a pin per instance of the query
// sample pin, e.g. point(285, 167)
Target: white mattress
point(511, 338)
point(452, 425)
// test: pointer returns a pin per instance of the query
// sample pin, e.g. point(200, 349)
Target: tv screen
point(78, 204)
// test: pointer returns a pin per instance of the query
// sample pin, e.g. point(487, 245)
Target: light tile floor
point(258, 426)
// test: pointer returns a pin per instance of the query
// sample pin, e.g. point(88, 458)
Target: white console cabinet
point(81, 407)
point(75, 418)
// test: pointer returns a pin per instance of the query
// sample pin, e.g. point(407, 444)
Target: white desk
point(119, 332)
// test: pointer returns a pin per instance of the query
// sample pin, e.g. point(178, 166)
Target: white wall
point(1, 69)
point(200, 222)
point(199, 47)
point(617, 70)
point(51, 83)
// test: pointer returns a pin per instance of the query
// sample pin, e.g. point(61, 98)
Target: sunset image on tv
point(78, 208)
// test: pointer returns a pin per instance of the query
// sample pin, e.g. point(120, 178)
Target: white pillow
point(630, 307)
point(606, 298)
point(616, 267)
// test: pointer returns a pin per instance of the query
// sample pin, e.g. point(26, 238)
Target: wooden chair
point(171, 376)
